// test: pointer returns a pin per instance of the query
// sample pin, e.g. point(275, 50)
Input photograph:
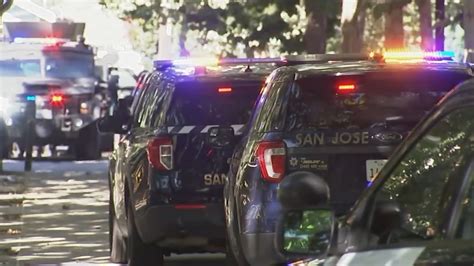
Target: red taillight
point(160, 153)
point(225, 90)
point(57, 99)
point(272, 159)
point(346, 87)
point(189, 206)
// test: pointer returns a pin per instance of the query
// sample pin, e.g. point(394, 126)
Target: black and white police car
point(418, 211)
point(168, 170)
point(341, 120)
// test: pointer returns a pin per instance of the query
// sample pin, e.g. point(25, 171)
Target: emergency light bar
point(306, 59)
point(284, 60)
point(419, 55)
point(196, 62)
point(21, 40)
point(320, 58)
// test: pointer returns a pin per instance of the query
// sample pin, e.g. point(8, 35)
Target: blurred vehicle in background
point(418, 211)
point(338, 116)
point(58, 74)
point(168, 170)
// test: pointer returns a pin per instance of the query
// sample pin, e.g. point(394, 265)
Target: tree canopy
point(274, 27)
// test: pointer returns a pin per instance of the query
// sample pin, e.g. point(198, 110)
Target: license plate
point(44, 114)
point(373, 167)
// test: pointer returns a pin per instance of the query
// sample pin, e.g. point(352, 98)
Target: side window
point(137, 92)
point(423, 182)
point(271, 113)
point(151, 102)
point(161, 103)
point(142, 108)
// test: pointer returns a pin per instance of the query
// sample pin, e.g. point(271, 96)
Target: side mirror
point(306, 232)
point(220, 137)
point(303, 190)
point(110, 124)
point(119, 122)
point(125, 102)
point(387, 217)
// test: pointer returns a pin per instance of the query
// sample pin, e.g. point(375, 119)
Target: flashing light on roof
point(52, 41)
point(346, 87)
point(225, 90)
point(31, 98)
point(418, 55)
point(197, 62)
point(187, 62)
point(57, 99)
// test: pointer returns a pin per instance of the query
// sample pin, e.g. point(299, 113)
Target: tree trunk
point(315, 35)
point(468, 25)
point(353, 25)
point(394, 34)
point(440, 16)
point(426, 24)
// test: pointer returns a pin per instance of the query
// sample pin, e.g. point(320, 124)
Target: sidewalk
point(12, 189)
point(53, 218)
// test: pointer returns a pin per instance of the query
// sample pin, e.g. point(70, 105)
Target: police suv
point(168, 171)
point(341, 120)
point(418, 211)
point(58, 76)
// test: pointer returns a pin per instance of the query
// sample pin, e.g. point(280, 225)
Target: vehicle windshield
point(60, 65)
point(20, 68)
point(212, 104)
point(376, 100)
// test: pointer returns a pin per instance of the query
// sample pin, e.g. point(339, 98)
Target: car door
point(120, 154)
point(144, 129)
point(433, 187)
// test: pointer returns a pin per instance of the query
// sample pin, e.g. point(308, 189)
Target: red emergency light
point(346, 87)
point(225, 90)
point(57, 100)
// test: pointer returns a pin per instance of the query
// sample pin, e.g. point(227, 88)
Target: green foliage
point(420, 181)
point(258, 26)
point(307, 231)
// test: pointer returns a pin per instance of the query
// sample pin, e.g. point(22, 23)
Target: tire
point(117, 243)
point(140, 253)
point(88, 144)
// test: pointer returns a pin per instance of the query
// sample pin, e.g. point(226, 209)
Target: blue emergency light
point(419, 55)
point(210, 61)
point(31, 98)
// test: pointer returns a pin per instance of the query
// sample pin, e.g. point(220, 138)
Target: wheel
point(117, 243)
point(140, 253)
point(88, 144)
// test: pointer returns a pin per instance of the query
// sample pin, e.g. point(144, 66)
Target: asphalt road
point(57, 214)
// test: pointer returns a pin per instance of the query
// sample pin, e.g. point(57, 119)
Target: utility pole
point(440, 16)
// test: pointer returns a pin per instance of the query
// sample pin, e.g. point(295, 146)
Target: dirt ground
point(53, 218)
